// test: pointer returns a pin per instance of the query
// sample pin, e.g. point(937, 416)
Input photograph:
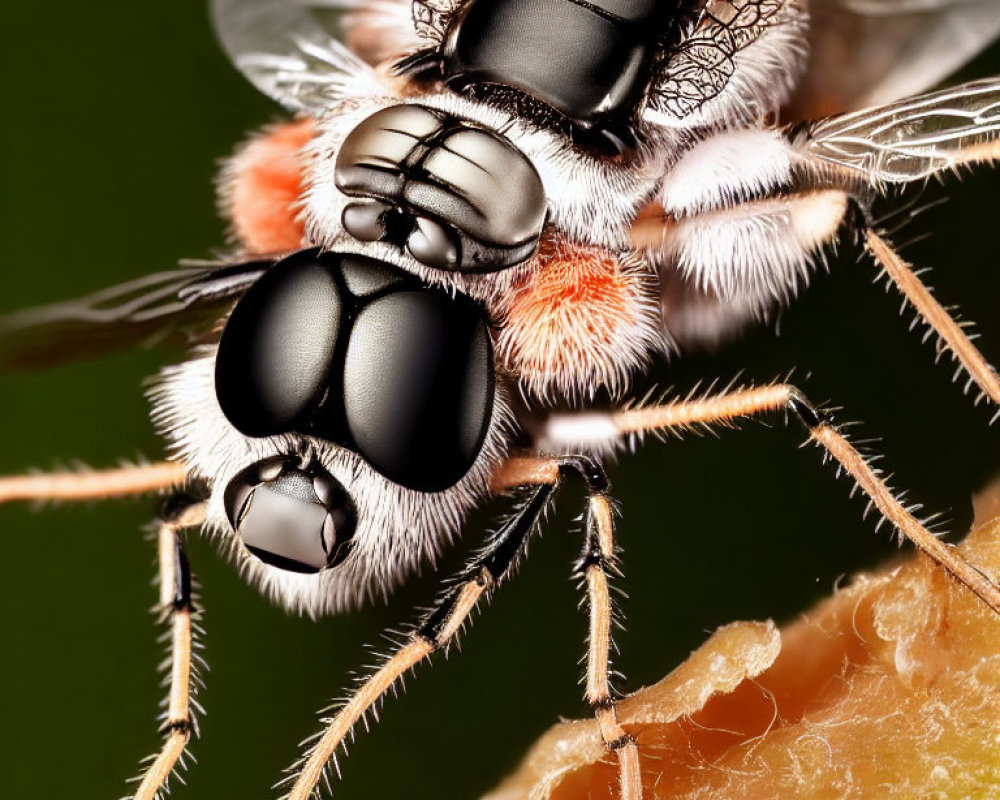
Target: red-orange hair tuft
point(262, 185)
point(581, 318)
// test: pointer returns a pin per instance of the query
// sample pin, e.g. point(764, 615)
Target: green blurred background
point(114, 118)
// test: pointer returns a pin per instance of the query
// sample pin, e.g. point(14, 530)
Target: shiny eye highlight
point(275, 353)
point(431, 244)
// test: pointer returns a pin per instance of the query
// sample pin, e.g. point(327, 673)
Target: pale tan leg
point(950, 334)
point(175, 608)
point(783, 397)
point(524, 471)
point(599, 563)
point(96, 485)
point(319, 756)
point(436, 632)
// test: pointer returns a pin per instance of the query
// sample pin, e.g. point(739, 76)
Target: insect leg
point(87, 485)
point(436, 631)
point(177, 613)
point(730, 406)
point(598, 564)
point(950, 334)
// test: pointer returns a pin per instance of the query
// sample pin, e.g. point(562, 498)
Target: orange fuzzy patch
point(265, 184)
point(574, 320)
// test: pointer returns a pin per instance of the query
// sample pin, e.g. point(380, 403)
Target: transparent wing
point(163, 308)
point(915, 138)
point(871, 52)
point(294, 51)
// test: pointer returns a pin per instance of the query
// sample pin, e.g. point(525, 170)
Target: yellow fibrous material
point(888, 689)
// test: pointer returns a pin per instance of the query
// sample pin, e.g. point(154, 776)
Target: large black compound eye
point(297, 519)
point(348, 350)
point(418, 387)
point(274, 357)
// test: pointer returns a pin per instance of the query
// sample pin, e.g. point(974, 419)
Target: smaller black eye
point(296, 519)
point(456, 195)
point(432, 244)
point(365, 221)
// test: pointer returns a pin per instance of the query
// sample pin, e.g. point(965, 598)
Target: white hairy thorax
point(740, 229)
point(742, 246)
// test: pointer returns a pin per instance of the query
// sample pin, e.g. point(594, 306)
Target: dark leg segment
point(483, 574)
point(176, 612)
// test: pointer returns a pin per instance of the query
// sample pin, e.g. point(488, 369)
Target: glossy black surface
point(453, 194)
point(276, 349)
point(294, 518)
point(419, 413)
point(350, 350)
point(589, 61)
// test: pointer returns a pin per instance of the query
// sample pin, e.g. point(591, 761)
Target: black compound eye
point(352, 351)
point(275, 353)
point(297, 519)
point(418, 387)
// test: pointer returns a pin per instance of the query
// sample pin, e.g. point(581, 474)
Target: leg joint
point(587, 470)
point(808, 413)
point(622, 741)
point(604, 703)
point(175, 507)
point(592, 557)
point(430, 630)
point(182, 726)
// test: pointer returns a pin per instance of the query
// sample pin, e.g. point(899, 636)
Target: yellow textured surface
point(888, 689)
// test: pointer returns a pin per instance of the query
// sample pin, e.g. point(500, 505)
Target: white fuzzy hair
point(398, 529)
point(726, 169)
point(749, 252)
point(742, 237)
